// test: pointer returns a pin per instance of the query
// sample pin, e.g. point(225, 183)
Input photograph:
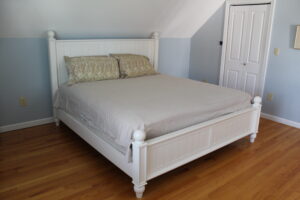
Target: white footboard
point(175, 149)
point(191, 143)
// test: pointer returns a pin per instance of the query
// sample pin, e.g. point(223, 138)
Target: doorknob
point(244, 64)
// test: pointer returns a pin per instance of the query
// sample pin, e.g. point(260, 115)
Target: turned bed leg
point(256, 104)
point(139, 190)
point(139, 158)
point(252, 137)
point(57, 122)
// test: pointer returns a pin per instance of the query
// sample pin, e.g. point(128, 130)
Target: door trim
point(229, 3)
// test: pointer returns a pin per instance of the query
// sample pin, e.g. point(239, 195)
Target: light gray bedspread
point(158, 104)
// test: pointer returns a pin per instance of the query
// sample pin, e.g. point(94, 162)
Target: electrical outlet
point(276, 51)
point(269, 96)
point(22, 101)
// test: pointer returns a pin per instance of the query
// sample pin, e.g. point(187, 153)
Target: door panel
point(232, 79)
point(249, 84)
point(256, 33)
point(238, 20)
point(236, 36)
point(246, 40)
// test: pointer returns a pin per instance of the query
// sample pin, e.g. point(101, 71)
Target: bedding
point(132, 65)
point(91, 68)
point(158, 104)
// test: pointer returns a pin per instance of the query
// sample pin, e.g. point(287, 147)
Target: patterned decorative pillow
point(132, 65)
point(91, 68)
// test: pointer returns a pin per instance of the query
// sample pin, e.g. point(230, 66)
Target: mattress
point(157, 104)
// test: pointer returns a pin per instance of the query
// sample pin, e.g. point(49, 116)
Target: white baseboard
point(281, 120)
point(27, 124)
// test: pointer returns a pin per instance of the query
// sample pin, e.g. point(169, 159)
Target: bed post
point(256, 104)
point(53, 69)
point(139, 157)
point(155, 36)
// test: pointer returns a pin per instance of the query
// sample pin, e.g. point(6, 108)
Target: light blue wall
point(206, 51)
point(283, 74)
point(24, 71)
point(174, 56)
point(24, 67)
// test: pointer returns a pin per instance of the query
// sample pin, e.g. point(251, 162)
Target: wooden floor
point(48, 162)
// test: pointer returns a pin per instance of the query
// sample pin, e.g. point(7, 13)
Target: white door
point(246, 40)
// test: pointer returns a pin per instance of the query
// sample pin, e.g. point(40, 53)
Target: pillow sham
point(132, 65)
point(91, 68)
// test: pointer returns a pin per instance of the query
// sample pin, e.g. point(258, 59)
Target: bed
point(135, 126)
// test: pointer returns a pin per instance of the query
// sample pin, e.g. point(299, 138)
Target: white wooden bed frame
point(153, 157)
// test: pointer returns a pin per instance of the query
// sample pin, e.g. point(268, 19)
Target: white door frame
point(268, 39)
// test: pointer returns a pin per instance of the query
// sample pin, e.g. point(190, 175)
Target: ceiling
point(105, 18)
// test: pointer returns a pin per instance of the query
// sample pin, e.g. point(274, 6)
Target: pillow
point(132, 65)
point(91, 68)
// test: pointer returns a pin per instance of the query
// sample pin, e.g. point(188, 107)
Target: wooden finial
point(155, 35)
point(257, 101)
point(139, 136)
point(51, 35)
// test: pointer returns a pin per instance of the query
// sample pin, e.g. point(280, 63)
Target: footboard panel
point(162, 156)
point(173, 150)
point(231, 128)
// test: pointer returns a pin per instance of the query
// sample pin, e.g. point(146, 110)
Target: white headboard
point(60, 48)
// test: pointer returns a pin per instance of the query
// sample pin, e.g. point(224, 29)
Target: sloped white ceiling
point(106, 18)
point(190, 16)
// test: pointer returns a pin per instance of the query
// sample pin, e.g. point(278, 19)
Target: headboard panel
point(60, 48)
